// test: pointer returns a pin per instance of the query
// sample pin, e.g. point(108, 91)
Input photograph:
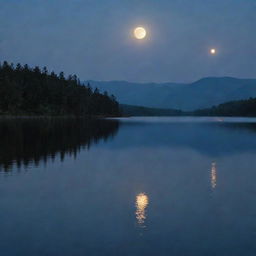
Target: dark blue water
point(146, 186)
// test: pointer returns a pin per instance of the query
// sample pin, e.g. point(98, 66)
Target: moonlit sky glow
point(94, 39)
point(213, 51)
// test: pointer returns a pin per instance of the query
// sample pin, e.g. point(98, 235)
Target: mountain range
point(204, 93)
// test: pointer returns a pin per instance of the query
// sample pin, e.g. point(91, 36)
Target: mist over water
point(147, 186)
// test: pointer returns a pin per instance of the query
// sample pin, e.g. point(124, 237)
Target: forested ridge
point(32, 91)
point(245, 108)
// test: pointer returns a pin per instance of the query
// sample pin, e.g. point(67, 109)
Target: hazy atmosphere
point(93, 38)
point(127, 127)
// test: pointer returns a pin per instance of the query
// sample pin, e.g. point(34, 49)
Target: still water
point(132, 186)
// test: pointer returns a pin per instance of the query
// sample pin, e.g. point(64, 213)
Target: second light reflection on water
point(213, 175)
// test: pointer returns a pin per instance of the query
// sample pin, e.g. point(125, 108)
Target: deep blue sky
point(92, 38)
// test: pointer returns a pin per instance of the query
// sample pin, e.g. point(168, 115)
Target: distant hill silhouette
point(129, 110)
point(203, 93)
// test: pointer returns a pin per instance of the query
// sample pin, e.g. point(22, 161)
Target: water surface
point(136, 186)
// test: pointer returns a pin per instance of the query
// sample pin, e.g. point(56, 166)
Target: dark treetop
point(31, 91)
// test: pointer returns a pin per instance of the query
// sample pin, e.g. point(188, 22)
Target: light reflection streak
point(213, 175)
point(141, 205)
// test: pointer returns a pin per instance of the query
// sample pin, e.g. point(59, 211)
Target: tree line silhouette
point(32, 91)
point(246, 108)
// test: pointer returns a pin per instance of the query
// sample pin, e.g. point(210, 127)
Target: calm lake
point(132, 186)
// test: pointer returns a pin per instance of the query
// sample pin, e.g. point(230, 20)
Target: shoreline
point(47, 116)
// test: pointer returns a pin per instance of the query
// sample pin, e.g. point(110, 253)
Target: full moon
point(140, 32)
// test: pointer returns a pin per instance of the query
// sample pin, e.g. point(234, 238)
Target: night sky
point(94, 38)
